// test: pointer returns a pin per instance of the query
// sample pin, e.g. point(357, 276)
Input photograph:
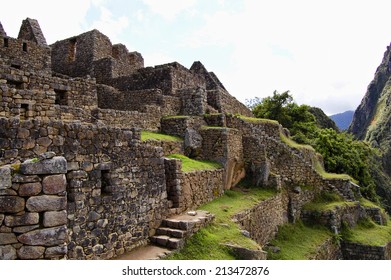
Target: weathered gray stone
point(5, 178)
point(54, 218)
point(23, 220)
point(193, 142)
point(31, 252)
point(1, 218)
point(93, 216)
point(7, 238)
point(47, 155)
point(23, 229)
point(30, 189)
point(56, 252)
point(56, 165)
point(44, 237)
point(7, 253)
point(46, 203)
point(19, 178)
point(11, 204)
point(54, 184)
point(77, 174)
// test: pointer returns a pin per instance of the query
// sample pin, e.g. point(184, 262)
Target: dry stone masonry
point(77, 182)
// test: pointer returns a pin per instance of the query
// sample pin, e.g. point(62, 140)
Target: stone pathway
point(171, 235)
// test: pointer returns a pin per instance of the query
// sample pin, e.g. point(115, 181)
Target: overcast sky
point(324, 52)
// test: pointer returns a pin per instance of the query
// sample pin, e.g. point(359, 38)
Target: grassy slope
point(189, 165)
point(208, 242)
point(148, 135)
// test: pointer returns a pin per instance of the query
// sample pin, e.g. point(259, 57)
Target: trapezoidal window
point(24, 111)
point(61, 97)
point(72, 50)
point(5, 42)
point(24, 47)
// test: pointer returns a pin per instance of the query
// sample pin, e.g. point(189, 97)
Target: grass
point(189, 165)
point(176, 117)
point(213, 127)
point(368, 232)
point(295, 145)
point(298, 241)
point(208, 243)
point(148, 135)
point(256, 120)
point(319, 168)
point(327, 201)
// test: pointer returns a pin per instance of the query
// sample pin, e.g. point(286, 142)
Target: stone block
point(44, 237)
point(30, 189)
point(54, 184)
point(56, 252)
point(7, 253)
point(19, 178)
point(31, 252)
point(55, 165)
point(54, 218)
point(11, 204)
point(46, 203)
point(7, 238)
point(23, 220)
point(5, 178)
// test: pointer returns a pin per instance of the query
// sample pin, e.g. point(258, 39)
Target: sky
point(324, 52)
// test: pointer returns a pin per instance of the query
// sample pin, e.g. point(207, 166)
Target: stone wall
point(33, 209)
point(263, 219)
point(329, 250)
point(177, 125)
point(224, 145)
point(355, 251)
point(25, 55)
point(113, 201)
point(188, 190)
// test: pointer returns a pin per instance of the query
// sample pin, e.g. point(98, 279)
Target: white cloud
point(108, 25)
point(169, 9)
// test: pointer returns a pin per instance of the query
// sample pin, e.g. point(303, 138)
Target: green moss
point(319, 168)
point(298, 241)
point(368, 233)
point(295, 145)
point(205, 127)
point(189, 165)
point(208, 243)
point(256, 120)
point(175, 117)
point(327, 201)
point(148, 135)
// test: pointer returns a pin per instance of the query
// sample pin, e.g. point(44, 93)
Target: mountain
point(343, 120)
point(372, 123)
point(322, 119)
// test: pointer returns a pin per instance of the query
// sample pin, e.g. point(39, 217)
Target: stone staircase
point(173, 231)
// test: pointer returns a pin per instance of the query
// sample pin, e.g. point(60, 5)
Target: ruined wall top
point(31, 31)
point(2, 31)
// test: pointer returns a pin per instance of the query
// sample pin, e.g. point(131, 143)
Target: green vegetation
point(213, 127)
point(175, 117)
point(256, 120)
point(208, 243)
point(298, 241)
point(327, 201)
point(189, 165)
point(148, 135)
point(368, 233)
point(340, 152)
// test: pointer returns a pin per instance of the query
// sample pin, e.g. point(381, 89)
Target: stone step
point(171, 232)
point(167, 241)
point(161, 240)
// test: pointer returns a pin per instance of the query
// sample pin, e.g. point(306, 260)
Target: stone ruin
point(77, 181)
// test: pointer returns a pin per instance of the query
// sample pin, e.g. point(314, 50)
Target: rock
point(18, 178)
point(1, 218)
point(46, 203)
point(5, 178)
point(30, 189)
point(44, 237)
point(7, 253)
point(193, 142)
point(93, 216)
point(56, 252)
point(54, 165)
point(23, 220)
point(245, 233)
point(11, 204)
point(102, 223)
point(297, 190)
point(192, 213)
point(54, 218)
point(77, 174)
point(23, 229)
point(47, 155)
point(31, 252)
point(7, 238)
point(54, 184)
